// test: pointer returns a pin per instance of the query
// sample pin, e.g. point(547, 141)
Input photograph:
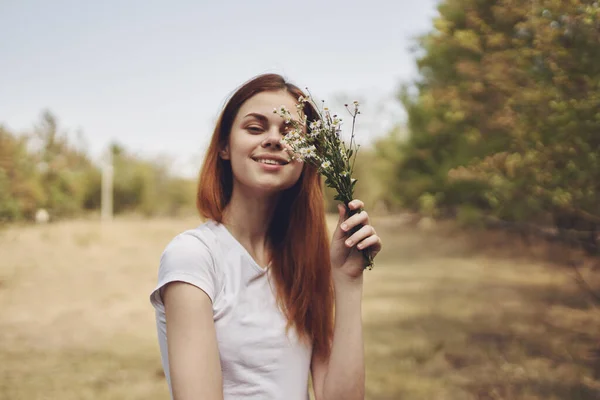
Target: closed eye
point(255, 129)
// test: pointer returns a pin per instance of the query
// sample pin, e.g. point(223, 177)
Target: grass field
point(445, 316)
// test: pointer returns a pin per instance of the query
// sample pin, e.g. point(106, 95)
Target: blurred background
point(479, 162)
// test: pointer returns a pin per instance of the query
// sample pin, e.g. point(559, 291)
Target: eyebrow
point(257, 116)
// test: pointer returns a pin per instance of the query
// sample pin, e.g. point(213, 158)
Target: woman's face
point(258, 159)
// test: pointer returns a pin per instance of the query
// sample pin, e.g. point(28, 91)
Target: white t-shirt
point(258, 359)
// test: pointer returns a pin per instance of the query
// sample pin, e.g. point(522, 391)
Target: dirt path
point(442, 320)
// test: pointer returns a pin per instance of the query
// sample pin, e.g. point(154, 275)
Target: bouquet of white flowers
point(319, 143)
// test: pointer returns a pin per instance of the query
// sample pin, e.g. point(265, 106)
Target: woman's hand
point(346, 258)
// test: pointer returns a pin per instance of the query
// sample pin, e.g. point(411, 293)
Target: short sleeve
point(187, 258)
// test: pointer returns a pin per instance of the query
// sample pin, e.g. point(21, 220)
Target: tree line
point(48, 169)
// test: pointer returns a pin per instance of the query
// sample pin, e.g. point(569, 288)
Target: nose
point(273, 139)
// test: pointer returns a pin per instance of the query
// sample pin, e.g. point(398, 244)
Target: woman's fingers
point(373, 243)
point(365, 237)
point(356, 219)
point(360, 235)
point(355, 204)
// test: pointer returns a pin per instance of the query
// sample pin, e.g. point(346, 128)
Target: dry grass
point(443, 319)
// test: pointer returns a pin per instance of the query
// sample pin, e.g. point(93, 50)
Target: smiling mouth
point(269, 161)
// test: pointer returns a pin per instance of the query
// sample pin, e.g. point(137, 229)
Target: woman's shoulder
point(190, 257)
point(201, 241)
point(204, 235)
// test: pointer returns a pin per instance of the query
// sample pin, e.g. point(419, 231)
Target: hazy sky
point(153, 75)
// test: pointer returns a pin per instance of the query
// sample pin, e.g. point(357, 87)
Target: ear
point(224, 153)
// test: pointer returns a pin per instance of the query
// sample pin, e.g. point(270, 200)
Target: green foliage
point(376, 184)
point(9, 207)
point(146, 186)
point(20, 184)
point(469, 216)
point(386, 153)
point(428, 205)
point(504, 117)
point(45, 169)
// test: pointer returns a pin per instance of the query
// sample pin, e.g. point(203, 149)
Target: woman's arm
point(194, 363)
point(343, 375)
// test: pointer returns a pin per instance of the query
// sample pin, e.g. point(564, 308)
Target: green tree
point(505, 114)
point(148, 186)
point(64, 169)
point(20, 190)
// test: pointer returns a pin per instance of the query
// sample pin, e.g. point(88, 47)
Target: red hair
point(301, 265)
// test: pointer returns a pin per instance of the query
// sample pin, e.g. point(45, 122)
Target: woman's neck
point(247, 218)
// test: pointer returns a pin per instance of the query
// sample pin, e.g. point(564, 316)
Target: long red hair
point(301, 265)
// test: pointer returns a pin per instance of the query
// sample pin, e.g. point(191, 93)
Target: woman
point(247, 299)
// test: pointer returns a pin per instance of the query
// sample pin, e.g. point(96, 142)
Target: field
point(446, 316)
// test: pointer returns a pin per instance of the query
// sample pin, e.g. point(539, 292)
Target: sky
point(153, 75)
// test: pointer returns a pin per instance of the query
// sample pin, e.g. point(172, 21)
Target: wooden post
point(107, 187)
